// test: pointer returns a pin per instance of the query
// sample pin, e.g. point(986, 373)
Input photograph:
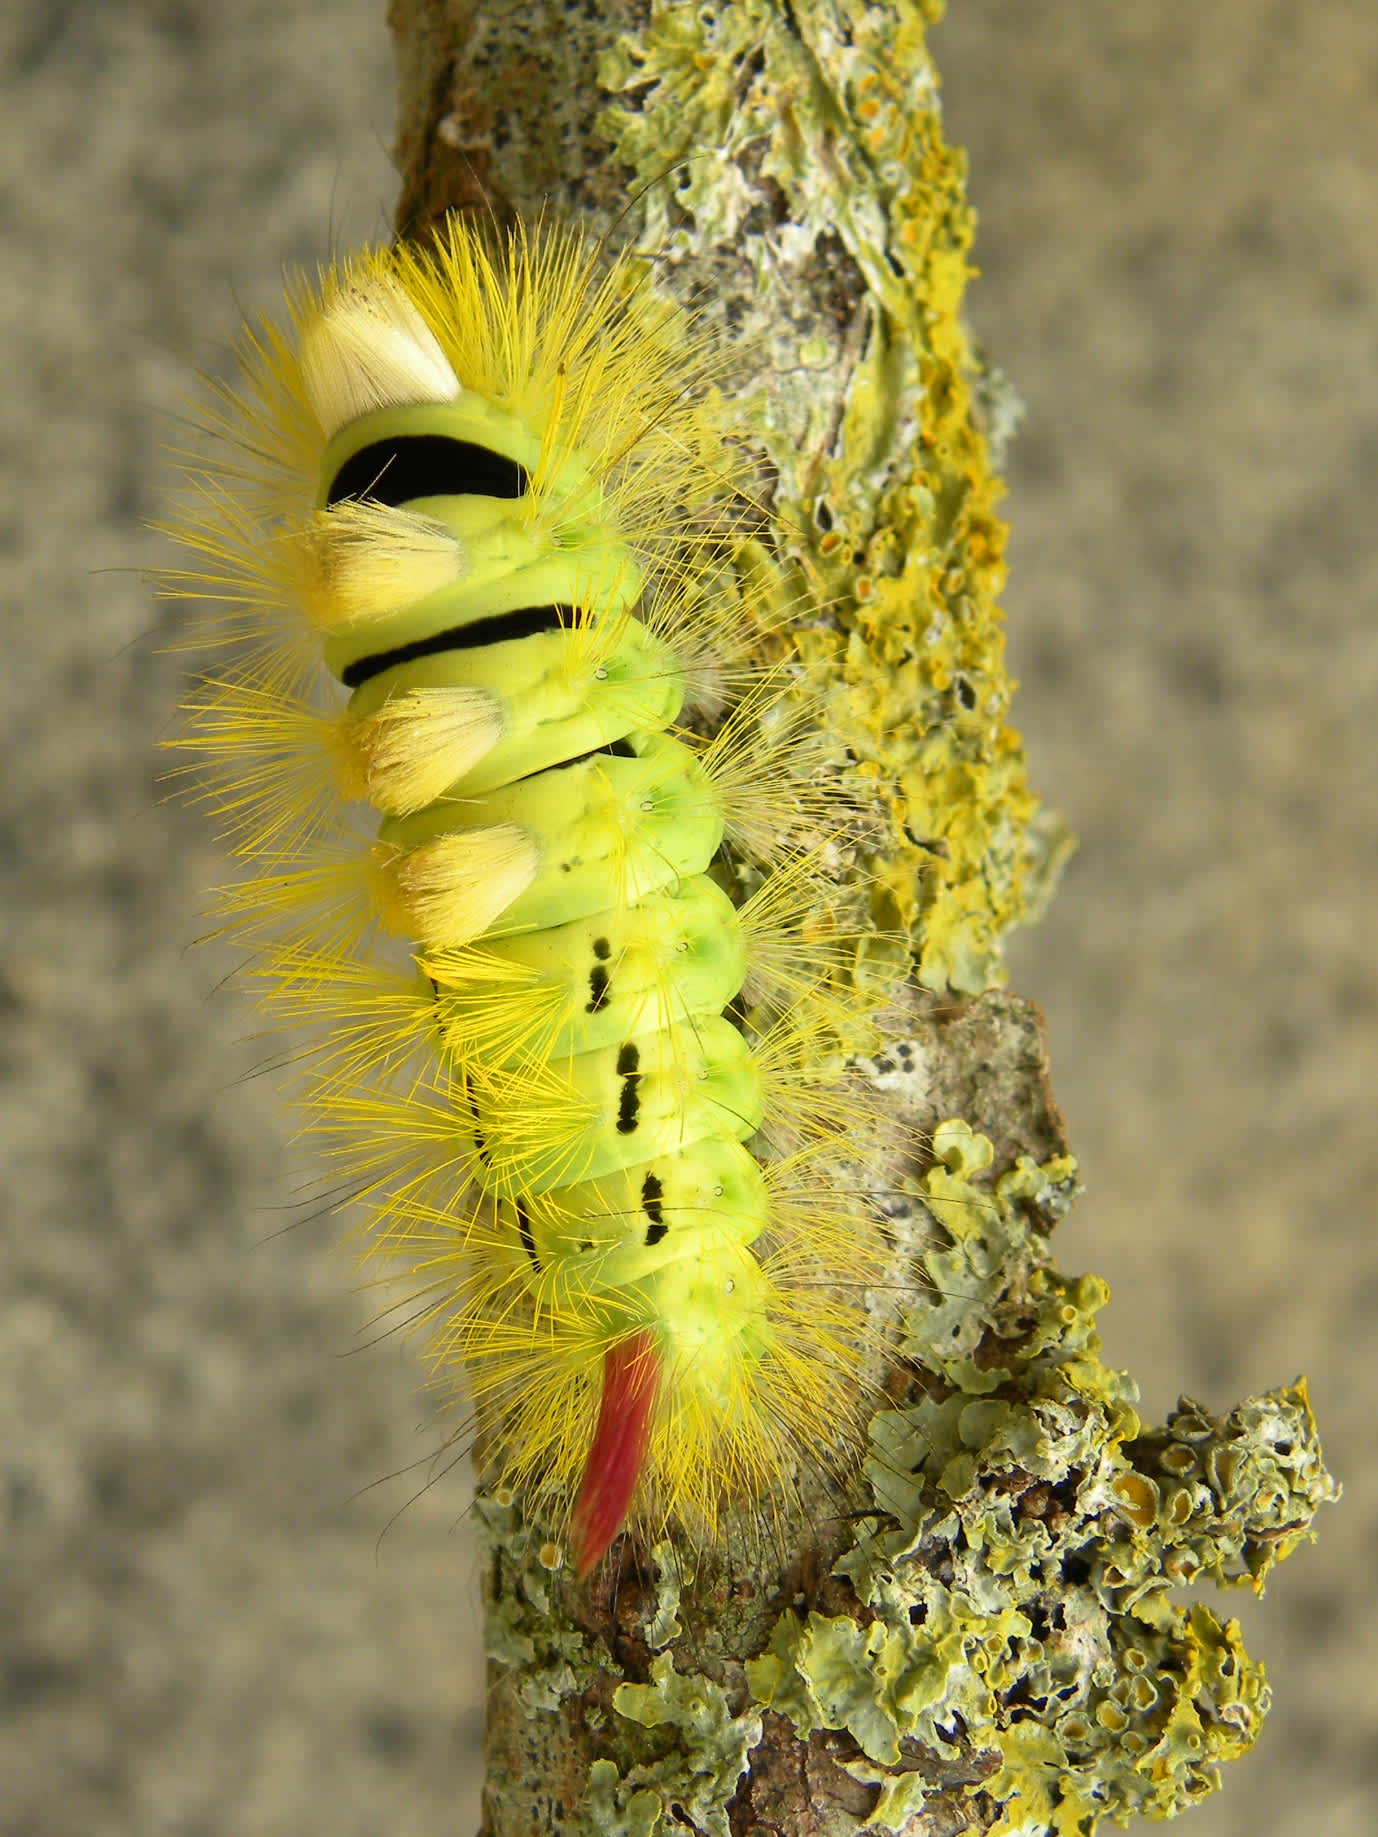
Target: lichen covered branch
point(987, 1642)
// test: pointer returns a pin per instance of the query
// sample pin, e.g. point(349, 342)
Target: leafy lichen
point(699, 1770)
point(544, 1659)
point(1015, 1583)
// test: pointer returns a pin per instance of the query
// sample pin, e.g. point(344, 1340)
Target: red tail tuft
point(630, 1372)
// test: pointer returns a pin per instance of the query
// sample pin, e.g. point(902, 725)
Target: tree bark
point(987, 1643)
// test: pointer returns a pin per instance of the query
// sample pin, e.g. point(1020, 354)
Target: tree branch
point(990, 1645)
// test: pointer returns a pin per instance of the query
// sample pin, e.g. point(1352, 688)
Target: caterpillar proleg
point(466, 517)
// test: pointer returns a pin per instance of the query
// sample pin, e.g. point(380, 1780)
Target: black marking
point(628, 1070)
point(652, 1192)
point(524, 1232)
point(407, 466)
point(620, 749)
point(599, 979)
point(502, 628)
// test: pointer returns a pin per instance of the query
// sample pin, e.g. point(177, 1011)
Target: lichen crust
point(875, 425)
point(1015, 1618)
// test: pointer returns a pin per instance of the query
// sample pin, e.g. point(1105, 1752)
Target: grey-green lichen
point(704, 1756)
point(1015, 1583)
point(830, 178)
point(544, 1659)
point(697, 1747)
point(662, 1623)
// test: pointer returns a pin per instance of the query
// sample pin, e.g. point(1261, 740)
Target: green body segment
point(598, 1112)
point(557, 696)
point(542, 996)
point(608, 1096)
point(599, 1239)
point(608, 829)
point(565, 482)
point(500, 578)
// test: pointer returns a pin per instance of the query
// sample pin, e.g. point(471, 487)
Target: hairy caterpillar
point(469, 519)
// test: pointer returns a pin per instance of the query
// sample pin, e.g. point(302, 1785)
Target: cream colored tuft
point(450, 890)
point(411, 750)
point(364, 561)
point(369, 349)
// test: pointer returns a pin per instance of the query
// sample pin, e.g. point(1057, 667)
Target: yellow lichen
point(885, 488)
point(1029, 1532)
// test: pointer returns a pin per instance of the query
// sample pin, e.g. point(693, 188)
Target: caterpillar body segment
point(537, 996)
point(487, 479)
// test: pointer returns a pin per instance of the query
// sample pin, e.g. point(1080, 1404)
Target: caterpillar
point(481, 577)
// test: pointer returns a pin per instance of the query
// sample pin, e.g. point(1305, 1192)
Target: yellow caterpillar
point(468, 516)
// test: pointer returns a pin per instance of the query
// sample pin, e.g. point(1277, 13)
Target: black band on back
point(407, 466)
point(501, 628)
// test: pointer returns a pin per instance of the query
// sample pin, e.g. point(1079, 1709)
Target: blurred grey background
point(206, 1626)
